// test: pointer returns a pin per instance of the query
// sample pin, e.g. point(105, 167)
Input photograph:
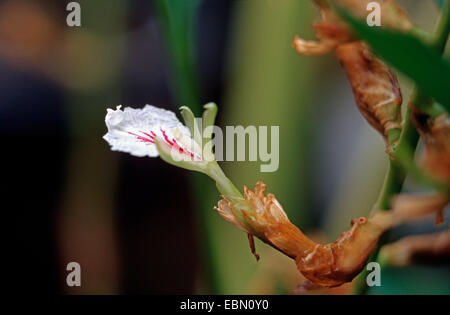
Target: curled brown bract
point(417, 248)
point(331, 34)
point(392, 15)
point(436, 138)
point(375, 86)
point(331, 31)
point(339, 262)
point(409, 207)
point(326, 265)
point(263, 217)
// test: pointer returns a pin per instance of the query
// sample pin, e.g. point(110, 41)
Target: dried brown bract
point(410, 207)
point(436, 137)
point(339, 262)
point(263, 217)
point(375, 86)
point(422, 247)
point(332, 31)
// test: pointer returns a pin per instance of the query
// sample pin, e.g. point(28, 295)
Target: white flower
point(135, 131)
point(153, 132)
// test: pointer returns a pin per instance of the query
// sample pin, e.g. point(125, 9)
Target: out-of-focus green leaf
point(410, 56)
point(178, 20)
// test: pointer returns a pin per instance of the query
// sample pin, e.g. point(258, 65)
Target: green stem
point(393, 182)
point(409, 138)
point(396, 174)
point(224, 185)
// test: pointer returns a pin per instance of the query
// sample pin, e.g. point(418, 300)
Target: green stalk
point(223, 183)
point(178, 20)
point(409, 139)
point(396, 174)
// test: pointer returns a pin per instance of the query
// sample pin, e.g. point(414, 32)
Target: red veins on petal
point(180, 149)
point(173, 143)
point(149, 138)
point(166, 137)
point(152, 137)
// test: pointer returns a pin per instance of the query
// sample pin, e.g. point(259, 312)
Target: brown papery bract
point(375, 85)
point(332, 31)
point(417, 248)
point(410, 207)
point(436, 138)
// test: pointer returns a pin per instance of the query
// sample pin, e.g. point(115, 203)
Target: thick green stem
point(409, 138)
point(393, 182)
point(396, 174)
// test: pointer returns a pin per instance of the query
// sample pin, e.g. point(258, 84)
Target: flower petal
point(134, 130)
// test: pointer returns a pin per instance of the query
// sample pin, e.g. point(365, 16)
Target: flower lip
point(135, 131)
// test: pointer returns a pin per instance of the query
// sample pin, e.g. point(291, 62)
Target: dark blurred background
point(139, 225)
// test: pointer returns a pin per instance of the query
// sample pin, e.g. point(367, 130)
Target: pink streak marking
point(151, 140)
point(148, 135)
point(166, 137)
point(143, 139)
